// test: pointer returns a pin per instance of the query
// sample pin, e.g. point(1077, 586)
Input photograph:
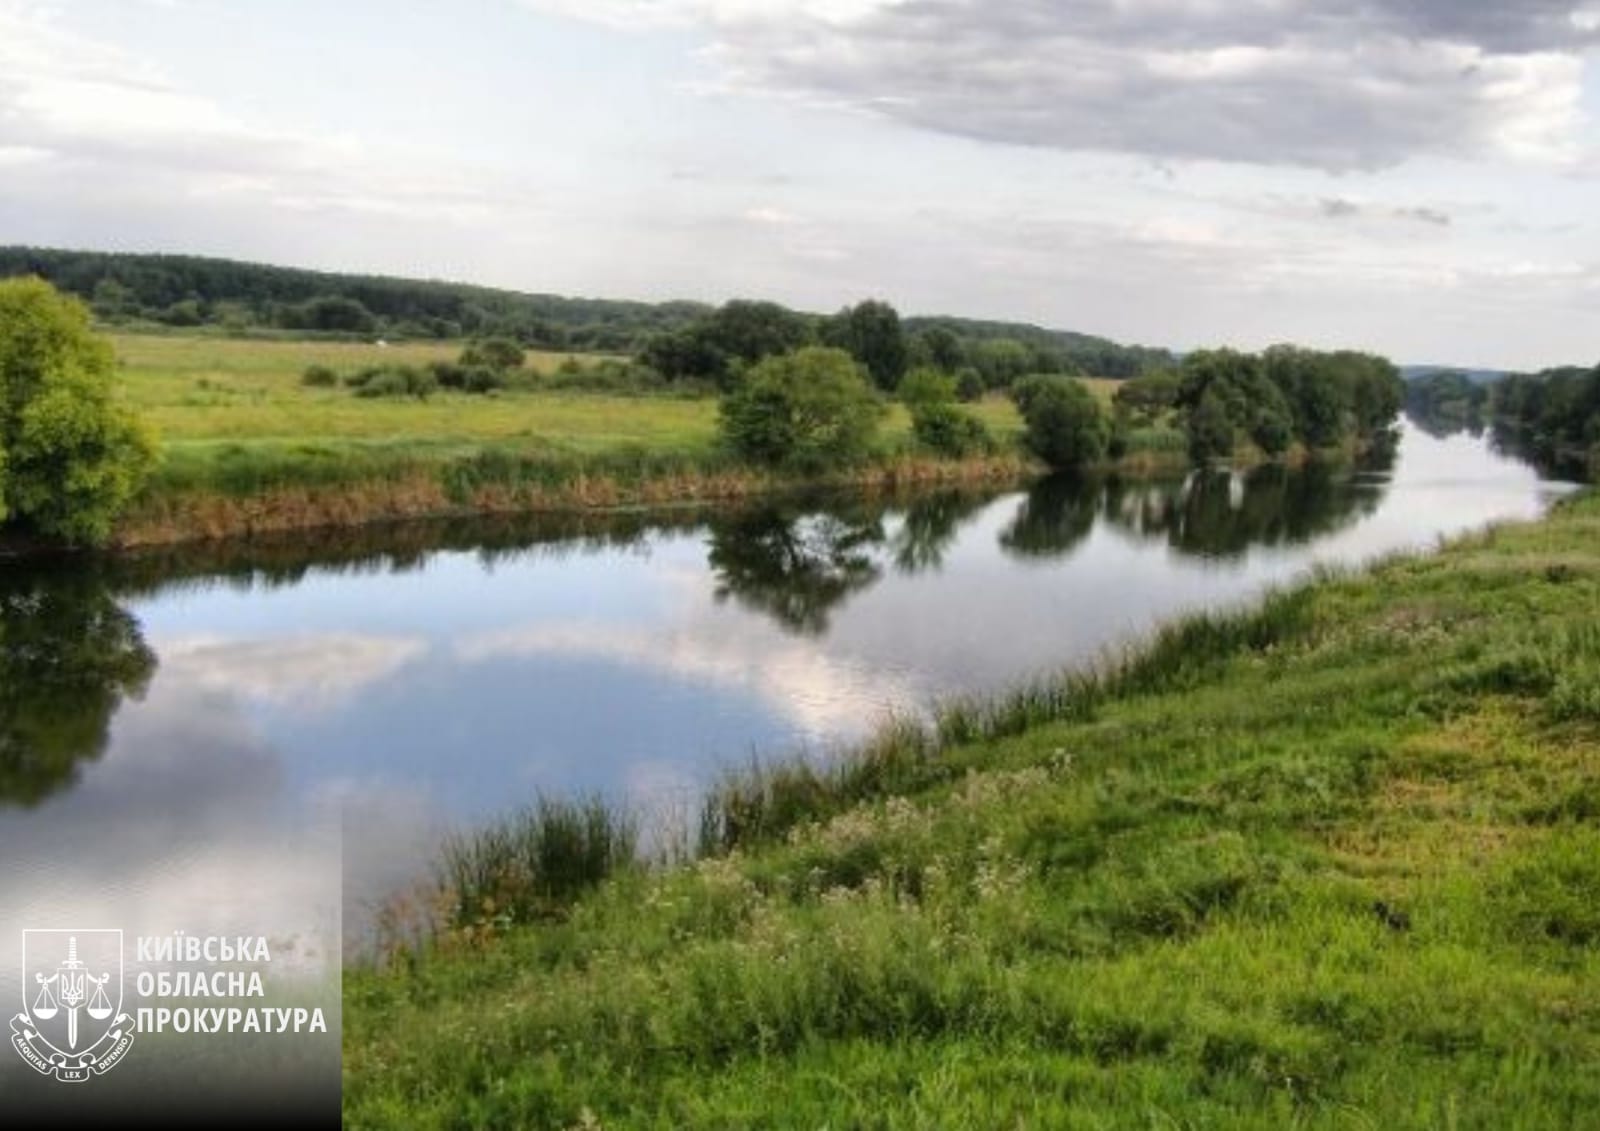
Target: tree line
point(721, 344)
point(1447, 400)
point(1225, 399)
point(680, 339)
point(1553, 416)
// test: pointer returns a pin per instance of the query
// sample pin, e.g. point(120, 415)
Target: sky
point(1415, 177)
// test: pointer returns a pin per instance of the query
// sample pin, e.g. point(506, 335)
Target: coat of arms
point(72, 1025)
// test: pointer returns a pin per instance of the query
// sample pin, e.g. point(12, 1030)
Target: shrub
point(1066, 427)
point(494, 353)
point(925, 386)
point(808, 410)
point(319, 377)
point(482, 379)
point(947, 431)
point(393, 381)
point(969, 385)
point(70, 457)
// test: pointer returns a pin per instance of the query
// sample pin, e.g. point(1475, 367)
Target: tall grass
point(534, 862)
point(761, 803)
point(1331, 863)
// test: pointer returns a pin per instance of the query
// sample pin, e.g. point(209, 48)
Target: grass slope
point(1332, 864)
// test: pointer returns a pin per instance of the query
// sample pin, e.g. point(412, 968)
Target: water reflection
point(69, 656)
point(929, 527)
point(1056, 515)
point(403, 680)
point(796, 567)
point(1217, 514)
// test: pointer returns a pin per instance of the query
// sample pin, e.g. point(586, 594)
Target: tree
point(936, 422)
point(870, 332)
point(1149, 396)
point(751, 331)
point(1002, 361)
point(1066, 427)
point(70, 457)
point(926, 386)
point(810, 410)
point(943, 348)
point(689, 354)
point(1210, 429)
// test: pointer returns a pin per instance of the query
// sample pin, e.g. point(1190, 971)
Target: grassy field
point(202, 393)
point(1334, 863)
point(247, 448)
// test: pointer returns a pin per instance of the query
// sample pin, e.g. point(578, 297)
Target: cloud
point(1344, 208)
point(312, 670)
point(1356, 86)
point(823, 695)
point(106, 116)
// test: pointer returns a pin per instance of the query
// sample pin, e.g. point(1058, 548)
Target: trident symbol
point(72, 981)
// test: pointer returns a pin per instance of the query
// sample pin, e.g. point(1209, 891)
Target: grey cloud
point(1357, 86)
point(1342, 208)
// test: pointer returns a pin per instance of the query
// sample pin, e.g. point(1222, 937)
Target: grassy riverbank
point(248, 449)
point(1331, 863)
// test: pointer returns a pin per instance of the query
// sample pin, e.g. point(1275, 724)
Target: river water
point(224, 738)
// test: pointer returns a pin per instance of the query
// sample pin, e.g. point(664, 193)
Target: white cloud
point(115, 117)
point(313, 670)
point(821, 694)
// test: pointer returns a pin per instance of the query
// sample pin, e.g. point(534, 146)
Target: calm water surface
point(187, 739)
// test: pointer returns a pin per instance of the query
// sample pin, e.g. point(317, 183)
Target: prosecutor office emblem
point(72, 1025)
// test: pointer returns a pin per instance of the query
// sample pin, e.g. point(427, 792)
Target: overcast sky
point(1419, 177)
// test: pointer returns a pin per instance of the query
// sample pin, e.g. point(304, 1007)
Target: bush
point(394, 381)
point(947, 431)
point(466, 378)
point(499, 354)
point(1066, 427)
point(70, 457)
point(319, 377)
point(809, 410)
point(925, 386)
point(969, 385)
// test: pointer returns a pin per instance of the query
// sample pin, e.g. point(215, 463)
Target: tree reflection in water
point(1208, 514)
point(795, 567)
point(69, 656)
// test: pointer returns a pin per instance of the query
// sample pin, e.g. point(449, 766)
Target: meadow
point(203, 392)
point(1332, 862)
point(247, 447)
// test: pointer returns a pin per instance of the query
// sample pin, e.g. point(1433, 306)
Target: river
point(217, 738)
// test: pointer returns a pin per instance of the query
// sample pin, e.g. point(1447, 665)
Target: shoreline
point(495, 485)
point(1285, 832)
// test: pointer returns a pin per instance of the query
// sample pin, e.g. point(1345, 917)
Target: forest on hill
point(193, 291)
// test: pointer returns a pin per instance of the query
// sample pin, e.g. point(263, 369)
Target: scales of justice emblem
point(72, 1026)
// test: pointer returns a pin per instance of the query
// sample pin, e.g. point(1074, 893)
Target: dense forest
point(1443, 401)
point(681, 339)
point(1553, 416)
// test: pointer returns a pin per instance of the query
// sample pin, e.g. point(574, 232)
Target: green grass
point(203, 394)
point(235, 421)
point(1335, 864)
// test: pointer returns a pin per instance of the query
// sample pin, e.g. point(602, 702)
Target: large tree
point(70, 457)
point(870, 332)
point(811, 410)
